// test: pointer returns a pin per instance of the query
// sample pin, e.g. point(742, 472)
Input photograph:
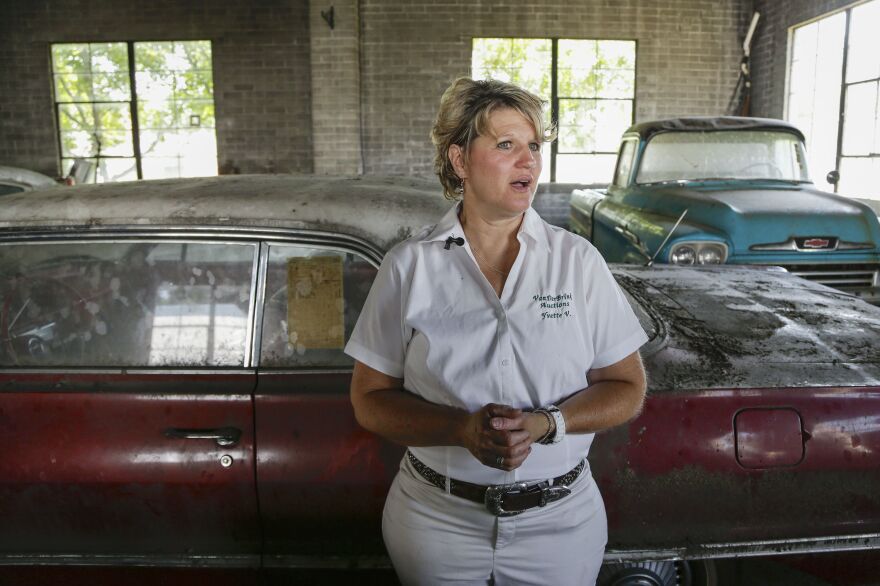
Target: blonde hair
point(464, 115)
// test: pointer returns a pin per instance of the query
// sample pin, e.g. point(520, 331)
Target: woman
point(494, 346)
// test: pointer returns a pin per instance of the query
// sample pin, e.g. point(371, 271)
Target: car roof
point(381, 210)
point(710, 123)
point(25, 177)
point(750, 327)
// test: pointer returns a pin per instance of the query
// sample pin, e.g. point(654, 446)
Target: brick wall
point(770, 46)
point(336, 117)
point(292, 95)
point(688, 54)
point(261, 72)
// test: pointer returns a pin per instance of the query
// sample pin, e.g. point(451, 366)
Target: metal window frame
point(132, 103)
point(554, 90)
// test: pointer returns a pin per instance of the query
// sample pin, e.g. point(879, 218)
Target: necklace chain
point(487, 263)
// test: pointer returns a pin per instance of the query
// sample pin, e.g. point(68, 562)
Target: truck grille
point(839, 276)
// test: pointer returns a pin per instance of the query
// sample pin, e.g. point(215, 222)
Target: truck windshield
point(723, 154)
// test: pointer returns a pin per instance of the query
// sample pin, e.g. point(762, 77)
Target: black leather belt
point(502, 500)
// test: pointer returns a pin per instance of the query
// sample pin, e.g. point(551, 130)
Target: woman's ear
point(456, 157)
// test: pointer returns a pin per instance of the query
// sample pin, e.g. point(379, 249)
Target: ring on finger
point(499, 461)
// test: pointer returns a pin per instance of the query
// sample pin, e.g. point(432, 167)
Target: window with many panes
point(834, 96)
point(136, 110)
point(589, 86)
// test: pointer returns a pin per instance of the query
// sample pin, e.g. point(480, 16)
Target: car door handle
point(224, 436)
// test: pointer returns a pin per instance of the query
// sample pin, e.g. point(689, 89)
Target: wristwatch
point(559, 421)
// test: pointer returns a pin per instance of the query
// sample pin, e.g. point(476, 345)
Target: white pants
point(436, 538)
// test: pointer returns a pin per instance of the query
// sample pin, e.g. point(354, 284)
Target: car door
point(322, 478)
point(126, 401)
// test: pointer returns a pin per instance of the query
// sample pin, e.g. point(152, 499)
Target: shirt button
point(505, 362)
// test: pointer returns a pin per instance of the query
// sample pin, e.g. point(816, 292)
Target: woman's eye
point(534, 147)
point(506, 144)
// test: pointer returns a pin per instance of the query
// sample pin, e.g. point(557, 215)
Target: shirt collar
point(450, 227)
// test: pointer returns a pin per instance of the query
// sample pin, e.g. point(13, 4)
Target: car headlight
point(700, 253)
point(683, 254)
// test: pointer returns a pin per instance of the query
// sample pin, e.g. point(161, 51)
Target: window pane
point(196, 114)
point(194, 85)
point(858, 177)
point(125, 304)
point(154, 86)
point(123, 169)
point(860, 119)
point(814, 88)
point(313, 299)
point(863, 60)
point(73, 87)
point(525, 62)
point(72, 58)
point(176, 109)
point(160, 167)
point(111, 87)
point(593, 125)
point(109, 58)
point(78, 143)
point(596, 68)
point(157, 114)
point(625, 162)
point(585, 168)
point(116, 143)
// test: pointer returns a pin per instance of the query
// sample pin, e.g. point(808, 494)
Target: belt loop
point(448, 485)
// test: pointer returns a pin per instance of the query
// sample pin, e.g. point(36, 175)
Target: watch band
point(559, 421)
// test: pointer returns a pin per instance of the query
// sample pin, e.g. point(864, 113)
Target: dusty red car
point(173, 390)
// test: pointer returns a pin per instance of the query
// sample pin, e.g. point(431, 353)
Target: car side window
point(313, 298)
point(625, 163)
point(125, 304)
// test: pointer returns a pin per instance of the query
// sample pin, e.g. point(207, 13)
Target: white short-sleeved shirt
point(433, 319)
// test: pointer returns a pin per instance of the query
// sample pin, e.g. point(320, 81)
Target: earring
point(460, 189)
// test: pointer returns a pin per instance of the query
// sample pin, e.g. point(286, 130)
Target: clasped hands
point(501, 436)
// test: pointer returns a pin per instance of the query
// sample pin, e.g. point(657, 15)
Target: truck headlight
point(699, 253)
point(683, 254)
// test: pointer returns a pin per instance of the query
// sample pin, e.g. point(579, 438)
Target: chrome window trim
point(257, 339)
point(265, 250)
point(230, 233)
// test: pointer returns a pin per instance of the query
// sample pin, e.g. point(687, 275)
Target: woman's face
point(502, 167)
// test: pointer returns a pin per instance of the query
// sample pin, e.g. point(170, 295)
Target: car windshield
point(723, 154)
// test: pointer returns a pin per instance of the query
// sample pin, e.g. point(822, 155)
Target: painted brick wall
point(688, 54)
point(261, 72)
point(769, 51)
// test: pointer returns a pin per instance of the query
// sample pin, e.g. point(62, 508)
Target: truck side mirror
point(833, 177)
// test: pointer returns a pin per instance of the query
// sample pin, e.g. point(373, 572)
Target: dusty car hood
point(738, 327)
point(763, 215)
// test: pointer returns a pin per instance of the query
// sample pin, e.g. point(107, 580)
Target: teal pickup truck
point(716, 190)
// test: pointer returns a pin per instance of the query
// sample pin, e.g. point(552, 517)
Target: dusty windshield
point(726, 154)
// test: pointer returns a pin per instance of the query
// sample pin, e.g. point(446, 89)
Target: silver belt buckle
point(495, 496)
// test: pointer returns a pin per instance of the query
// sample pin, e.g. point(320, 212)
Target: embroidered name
point(554, 306)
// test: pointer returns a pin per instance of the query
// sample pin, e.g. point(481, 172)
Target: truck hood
point(765, 215)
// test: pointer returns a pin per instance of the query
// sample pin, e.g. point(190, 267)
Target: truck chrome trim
point(791, 245)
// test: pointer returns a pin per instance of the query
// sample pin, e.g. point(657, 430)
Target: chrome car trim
point(257, 339)
point(790, 245)
point(839, 276)
point(225, 560)
point(229, 233)
point(750, 548)
point(252, 306)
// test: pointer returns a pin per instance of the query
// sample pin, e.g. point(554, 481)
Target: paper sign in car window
point(315, 314)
